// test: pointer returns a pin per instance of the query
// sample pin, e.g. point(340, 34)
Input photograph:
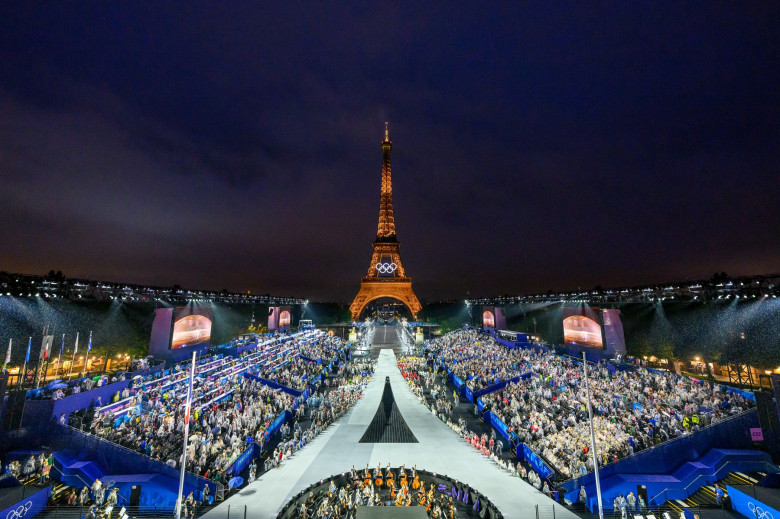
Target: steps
point(705, 497)
point(59, 492)
point(75, 473)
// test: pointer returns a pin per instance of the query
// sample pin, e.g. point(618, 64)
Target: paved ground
point(337, 449)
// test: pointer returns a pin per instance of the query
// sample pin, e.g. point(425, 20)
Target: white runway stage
point(337, 449)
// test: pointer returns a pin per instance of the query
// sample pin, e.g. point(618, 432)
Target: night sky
point(237, 145)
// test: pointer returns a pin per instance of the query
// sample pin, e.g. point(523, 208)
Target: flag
point(29, 345)
point(189, 402)
point(48, 340)
point(8, 353)
point(62, 346)
point(76, 347)
point(189, 392)
point(89, 346)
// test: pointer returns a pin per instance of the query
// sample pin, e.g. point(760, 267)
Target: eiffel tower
point(386, 276)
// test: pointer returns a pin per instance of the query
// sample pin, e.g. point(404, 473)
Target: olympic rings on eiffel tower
point(386, 268)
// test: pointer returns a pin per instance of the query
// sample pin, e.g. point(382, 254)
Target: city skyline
point(533, 148)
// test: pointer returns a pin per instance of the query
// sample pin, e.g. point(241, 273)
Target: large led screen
point(500, 318)
point(191, 327)
point(613, 332)
point(273, 318)
point(488, 319)
point(284, 316)
point(582, 327)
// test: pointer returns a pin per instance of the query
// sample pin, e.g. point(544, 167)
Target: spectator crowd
point(634, 409)
point(477, 359)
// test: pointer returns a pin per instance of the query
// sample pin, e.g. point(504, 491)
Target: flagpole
point(73, 358)
point(40, 359)
point(62, 349)
point(44, 358)
point(8, 353)
point(186, 437)
point(86, 357)
point(26, 360)
point(593, 438)
point(47, 355)
point(8, 356)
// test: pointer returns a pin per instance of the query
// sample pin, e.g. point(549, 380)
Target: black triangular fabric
point(388, 426)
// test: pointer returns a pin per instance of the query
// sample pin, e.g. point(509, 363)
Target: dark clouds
point(237, 146)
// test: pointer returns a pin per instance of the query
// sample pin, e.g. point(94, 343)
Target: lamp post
point(592, 438)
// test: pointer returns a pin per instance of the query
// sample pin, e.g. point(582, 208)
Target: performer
point(389, 476)
point(416, 482)
point(323, 509)
point(366, 476)
point(404, 488)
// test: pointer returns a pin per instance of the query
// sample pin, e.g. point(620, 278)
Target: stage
point(439, 449)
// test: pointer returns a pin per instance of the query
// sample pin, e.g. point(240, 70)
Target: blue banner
point(242, 461)
point(277, 424)
point(533, 459)
point(28, 507)
point(272, 384)
point(749, 506)
point(501, 427)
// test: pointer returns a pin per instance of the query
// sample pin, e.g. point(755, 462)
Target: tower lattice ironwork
point(386, 276)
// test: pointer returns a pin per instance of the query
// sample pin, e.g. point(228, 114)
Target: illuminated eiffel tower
point(386, 276)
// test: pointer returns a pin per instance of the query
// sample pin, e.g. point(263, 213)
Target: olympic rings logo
point(20, 512)
point(386, 268)
point(759, 512)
